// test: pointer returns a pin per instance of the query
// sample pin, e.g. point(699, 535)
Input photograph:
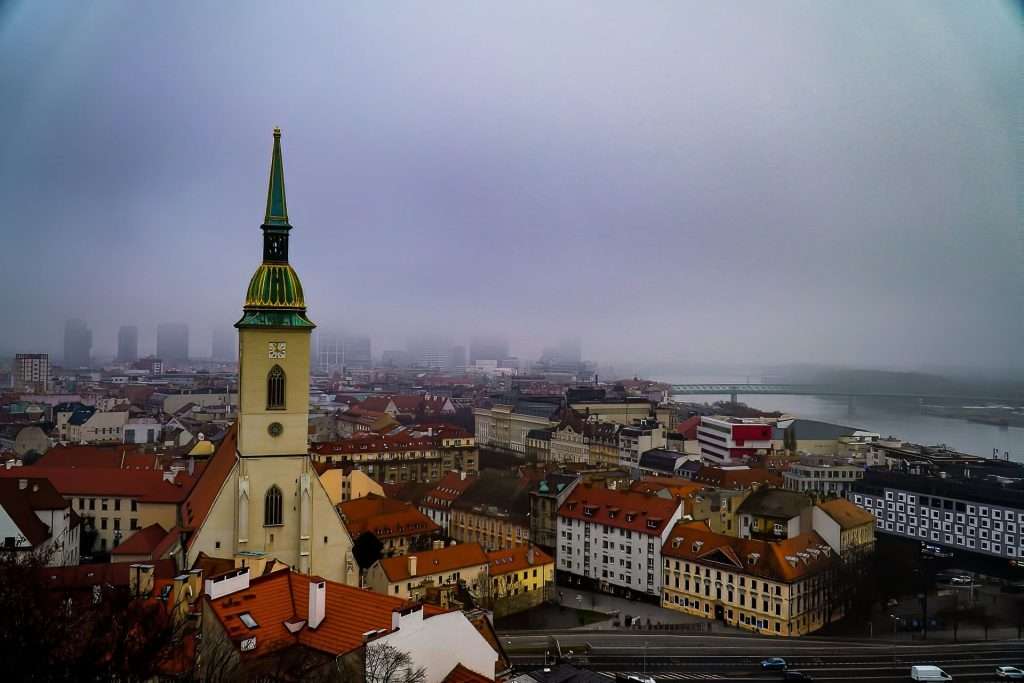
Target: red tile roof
point(200, 500)
point(736, 478)
point(124, 456)
point(143, 485)
point(112, 574)
point(435, 561)
point(676, 486)
point(368, 442)
point(142, 542)
point(786, 561)
point(384, 518)
point(688, 427)
point(847, 515)
point(641, 512)
point(448, 488)
point(283, 596)
point(515, 560)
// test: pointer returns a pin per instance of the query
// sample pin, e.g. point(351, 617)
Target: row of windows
point(90, 503)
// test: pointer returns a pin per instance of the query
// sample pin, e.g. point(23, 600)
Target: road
point(673, 657)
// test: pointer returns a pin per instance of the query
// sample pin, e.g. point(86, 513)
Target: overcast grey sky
point(723, 182)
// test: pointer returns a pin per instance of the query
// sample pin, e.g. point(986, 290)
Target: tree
point(384, 663)
point(367, 549)
point(50, 634)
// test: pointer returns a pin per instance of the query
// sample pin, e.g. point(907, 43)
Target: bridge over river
point(735, 390)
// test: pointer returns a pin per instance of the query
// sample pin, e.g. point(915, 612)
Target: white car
point(1009, 672)
point(961, 580)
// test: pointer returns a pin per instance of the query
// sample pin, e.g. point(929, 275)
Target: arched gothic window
point(275, 388)
point(272, 507)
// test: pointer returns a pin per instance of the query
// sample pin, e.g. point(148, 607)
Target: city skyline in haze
point(676, 183)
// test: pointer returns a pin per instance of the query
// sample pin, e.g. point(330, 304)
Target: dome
point(275, 285)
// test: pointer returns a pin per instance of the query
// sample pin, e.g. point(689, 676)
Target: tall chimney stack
point(412, 565)
point(317, 601)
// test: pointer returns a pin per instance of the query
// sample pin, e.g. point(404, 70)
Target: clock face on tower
point(276, 350)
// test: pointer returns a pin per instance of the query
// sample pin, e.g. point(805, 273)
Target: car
point(962, 580)
point(927, 672)
point(1009, 672)
point(773, 664)
point(796, 676)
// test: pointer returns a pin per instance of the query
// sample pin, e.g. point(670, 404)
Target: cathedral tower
point(270, 503)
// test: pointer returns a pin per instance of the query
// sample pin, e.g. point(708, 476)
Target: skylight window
point(248, 620)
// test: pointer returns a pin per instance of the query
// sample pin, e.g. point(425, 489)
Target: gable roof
point(434, 561)
point(21, 505)
point(283, 596)
point(200, 500)
point(384, 518)
point(847, 515)
point(121, 456)
point(448, 488)
point(110, 574)
point(774, 503)
point(497, 492)
point(144, 485)
point(142, 542)
point(461, 674)
point(641, 512)
point(786, 561)
point(736, 477)
point(516, 559)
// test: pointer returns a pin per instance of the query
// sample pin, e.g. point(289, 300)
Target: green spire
point(277, 207)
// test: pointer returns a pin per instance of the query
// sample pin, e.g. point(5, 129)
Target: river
point(900, 421)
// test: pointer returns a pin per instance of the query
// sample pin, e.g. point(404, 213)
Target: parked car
point(773, 664)
point(633, 678)
point(929, 673)
point(962, 580)
point(796, 676)
point(1009, 672)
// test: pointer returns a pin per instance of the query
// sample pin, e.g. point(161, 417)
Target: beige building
point(93, 426)
point(410, 576)
point(271, 501)
point(342, 485)
point(781, 588)
point(506, 426)
point(846, 527)
point(518, 579)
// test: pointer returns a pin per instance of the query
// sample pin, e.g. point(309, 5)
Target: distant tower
point(32, 372)
point(77, 344)
point(225, 344)
point(172, 342)
point(127, 344)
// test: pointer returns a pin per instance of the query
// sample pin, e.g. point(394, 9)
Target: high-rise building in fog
point(457, 359)
point(172, 342)
point(566, 356)
point(357, 352)
point(430, 353)
point(334, 351)
point(487, 348)
point(77, 344)
point(127, 344)
point(225, 344)
point(32, 372)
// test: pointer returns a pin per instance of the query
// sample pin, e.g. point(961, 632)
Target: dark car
point(773, 664)
point(796, 676)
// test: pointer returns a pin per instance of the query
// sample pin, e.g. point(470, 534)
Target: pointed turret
point(274, 297)
point(277, 207)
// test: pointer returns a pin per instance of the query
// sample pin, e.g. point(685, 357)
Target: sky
point(670, 182)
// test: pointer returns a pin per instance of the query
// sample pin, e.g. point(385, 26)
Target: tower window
point(272, 507)
point(275, 388)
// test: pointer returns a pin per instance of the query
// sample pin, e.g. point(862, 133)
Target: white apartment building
point(734, 440)
point(637, 439)
point(611, 540)
point(32, 372)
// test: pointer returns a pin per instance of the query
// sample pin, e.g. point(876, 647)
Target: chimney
point(462, 475)
point(22, 484)
point(195, 582)
point(412, 565)
point(529, 556)
point(317, 601)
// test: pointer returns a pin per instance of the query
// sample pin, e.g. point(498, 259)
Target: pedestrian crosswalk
point(666, 675)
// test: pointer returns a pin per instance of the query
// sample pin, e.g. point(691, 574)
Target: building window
point(275, 388)
point(272, 507)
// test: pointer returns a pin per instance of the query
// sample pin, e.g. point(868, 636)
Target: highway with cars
point(677, 657)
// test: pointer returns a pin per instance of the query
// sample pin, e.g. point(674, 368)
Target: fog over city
point(671, 183)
